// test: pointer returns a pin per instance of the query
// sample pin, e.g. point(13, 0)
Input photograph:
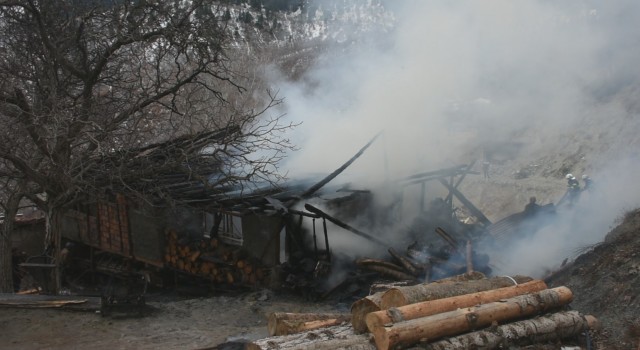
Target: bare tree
point(89, 89)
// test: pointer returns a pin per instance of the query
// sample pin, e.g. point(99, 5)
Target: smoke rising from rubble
point(454, 76)
point(578, 229)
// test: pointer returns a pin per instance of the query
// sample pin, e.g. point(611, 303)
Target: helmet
point(569, 176)
point(584, 177)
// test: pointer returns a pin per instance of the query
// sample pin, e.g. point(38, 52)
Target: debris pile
point(461, 312)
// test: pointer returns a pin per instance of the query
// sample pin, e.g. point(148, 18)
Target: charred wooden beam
point(308, 193)
point(345, 226)
point(469, 257)
point(462, 176)
point(385, 268)
point(406, 263)
point(438, 173)
point(447, 237)
point(467, 203)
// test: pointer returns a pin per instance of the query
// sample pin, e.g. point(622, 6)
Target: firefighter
point(532, 207)
point(17, 257)
point(573, 188)
point(588, 183)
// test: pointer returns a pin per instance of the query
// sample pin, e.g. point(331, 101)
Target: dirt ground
point(606, 283)
point(196, 323)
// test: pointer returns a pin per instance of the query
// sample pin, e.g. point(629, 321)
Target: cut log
point(389, 272)
point(543, 329)
point(195, 255)
point(423, 292)
point(474, 276)
point(361, 308)
point(283, 323)
point(332, 338)
point(405, 263)
point(452, 323)
point(383, 287)
point(432, 307)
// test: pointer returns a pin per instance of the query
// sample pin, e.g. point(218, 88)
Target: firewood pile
point(460, 312)
point(213, 260)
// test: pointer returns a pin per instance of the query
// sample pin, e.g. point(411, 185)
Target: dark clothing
point(573, 190)
point(531, 208)
point(573, 184)
point(17, 271)
point(485, 169)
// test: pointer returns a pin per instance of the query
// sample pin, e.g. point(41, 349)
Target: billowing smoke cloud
point(452, 76)
point(577, 229)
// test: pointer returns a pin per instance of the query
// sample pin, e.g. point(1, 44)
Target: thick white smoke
point(452, 76)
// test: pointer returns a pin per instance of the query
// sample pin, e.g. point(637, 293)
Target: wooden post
point(432, 307)
point(463, 320)
point(345, 226)
point(469, 257)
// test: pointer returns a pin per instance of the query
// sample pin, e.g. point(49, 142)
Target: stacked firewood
point(213, 260)
point(457, 313)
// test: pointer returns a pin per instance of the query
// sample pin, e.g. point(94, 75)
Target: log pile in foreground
point(452, 314)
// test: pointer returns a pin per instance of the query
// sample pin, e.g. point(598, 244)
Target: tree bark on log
point(423, 292)
point(332, 338)
point(548, 328)
point(371, 303)
point(463, 320)
point(474, 276)
point(283, 323)
point(361, 308)
point(432, 307)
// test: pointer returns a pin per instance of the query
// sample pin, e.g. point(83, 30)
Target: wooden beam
point(467, 203)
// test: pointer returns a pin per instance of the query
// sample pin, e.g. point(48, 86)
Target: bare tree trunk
point(53, 240)
point(6, 262)
point(6, 270)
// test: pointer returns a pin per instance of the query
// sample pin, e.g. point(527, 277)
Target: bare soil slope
point(606, 283)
